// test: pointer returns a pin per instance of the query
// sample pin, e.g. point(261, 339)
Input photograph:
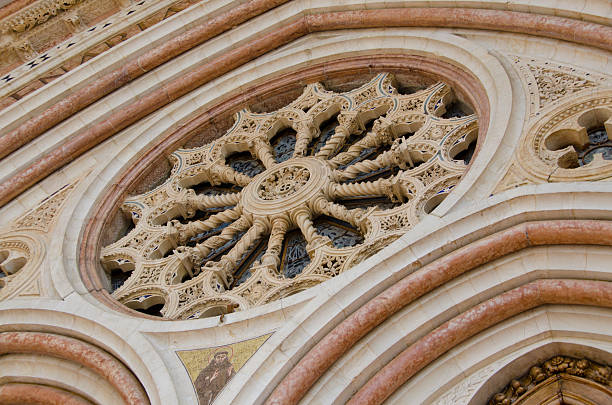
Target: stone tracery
point(277, 205)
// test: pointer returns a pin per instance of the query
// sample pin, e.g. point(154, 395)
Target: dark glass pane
point(117, 278)
point(243, 269)
point(597, 135)
point(605, 151)
point(365, 154)
point(599, 143)
point(294, 257)
point(385, 172)
point(216, 254)
point(456, 109)
point(283, 144)
point(467, 154)
point(206, 188)
point(339, 232)
point(327, 129)
point(384, 203)
point(201, 237)
point(245, 163)
point(154, 310)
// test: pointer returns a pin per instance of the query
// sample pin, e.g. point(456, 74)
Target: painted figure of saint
point(213, 378)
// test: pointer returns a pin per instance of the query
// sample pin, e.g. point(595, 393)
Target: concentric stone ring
point(286, 186)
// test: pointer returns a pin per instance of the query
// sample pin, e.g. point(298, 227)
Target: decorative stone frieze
point(42, 66)
point(288, 199)
point(541, 374)
point(37, 14)
point(547, 81)
point(27, 33)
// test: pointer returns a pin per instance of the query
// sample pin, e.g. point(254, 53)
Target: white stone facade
point(512, 179)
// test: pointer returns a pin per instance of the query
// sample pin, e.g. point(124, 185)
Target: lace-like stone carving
point(338, 176)
point(42, 217)
point(549, 82)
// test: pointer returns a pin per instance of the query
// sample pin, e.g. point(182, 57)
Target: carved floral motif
point(42, 217)
point(548, 82)
point(326, 182)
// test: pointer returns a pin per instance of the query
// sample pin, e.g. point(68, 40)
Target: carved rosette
point(223, 232)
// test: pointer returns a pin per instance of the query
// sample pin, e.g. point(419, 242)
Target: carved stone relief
point(461, 393)
point(547, 81)
point(288, 199)
point(568, 134)
point(540, 375)
point(20, 258)
point(42, 217)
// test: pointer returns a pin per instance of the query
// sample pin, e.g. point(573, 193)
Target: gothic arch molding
point(130, 365)
point(77, 351)
point(297, 330)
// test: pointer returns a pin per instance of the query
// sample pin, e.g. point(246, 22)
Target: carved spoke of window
point(287, 199)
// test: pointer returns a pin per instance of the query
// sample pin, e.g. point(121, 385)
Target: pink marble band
point(345, 335)
point(547, 26)
point(470, 323)
point(81, 353)
point(37, 394)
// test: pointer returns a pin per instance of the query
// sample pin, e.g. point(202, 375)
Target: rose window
point(288, 199)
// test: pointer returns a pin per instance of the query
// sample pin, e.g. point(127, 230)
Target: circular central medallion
point(285, 186)
point(283, 182)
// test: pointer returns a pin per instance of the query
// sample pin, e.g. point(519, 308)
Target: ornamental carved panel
point(568, 134)
point(288, 199)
